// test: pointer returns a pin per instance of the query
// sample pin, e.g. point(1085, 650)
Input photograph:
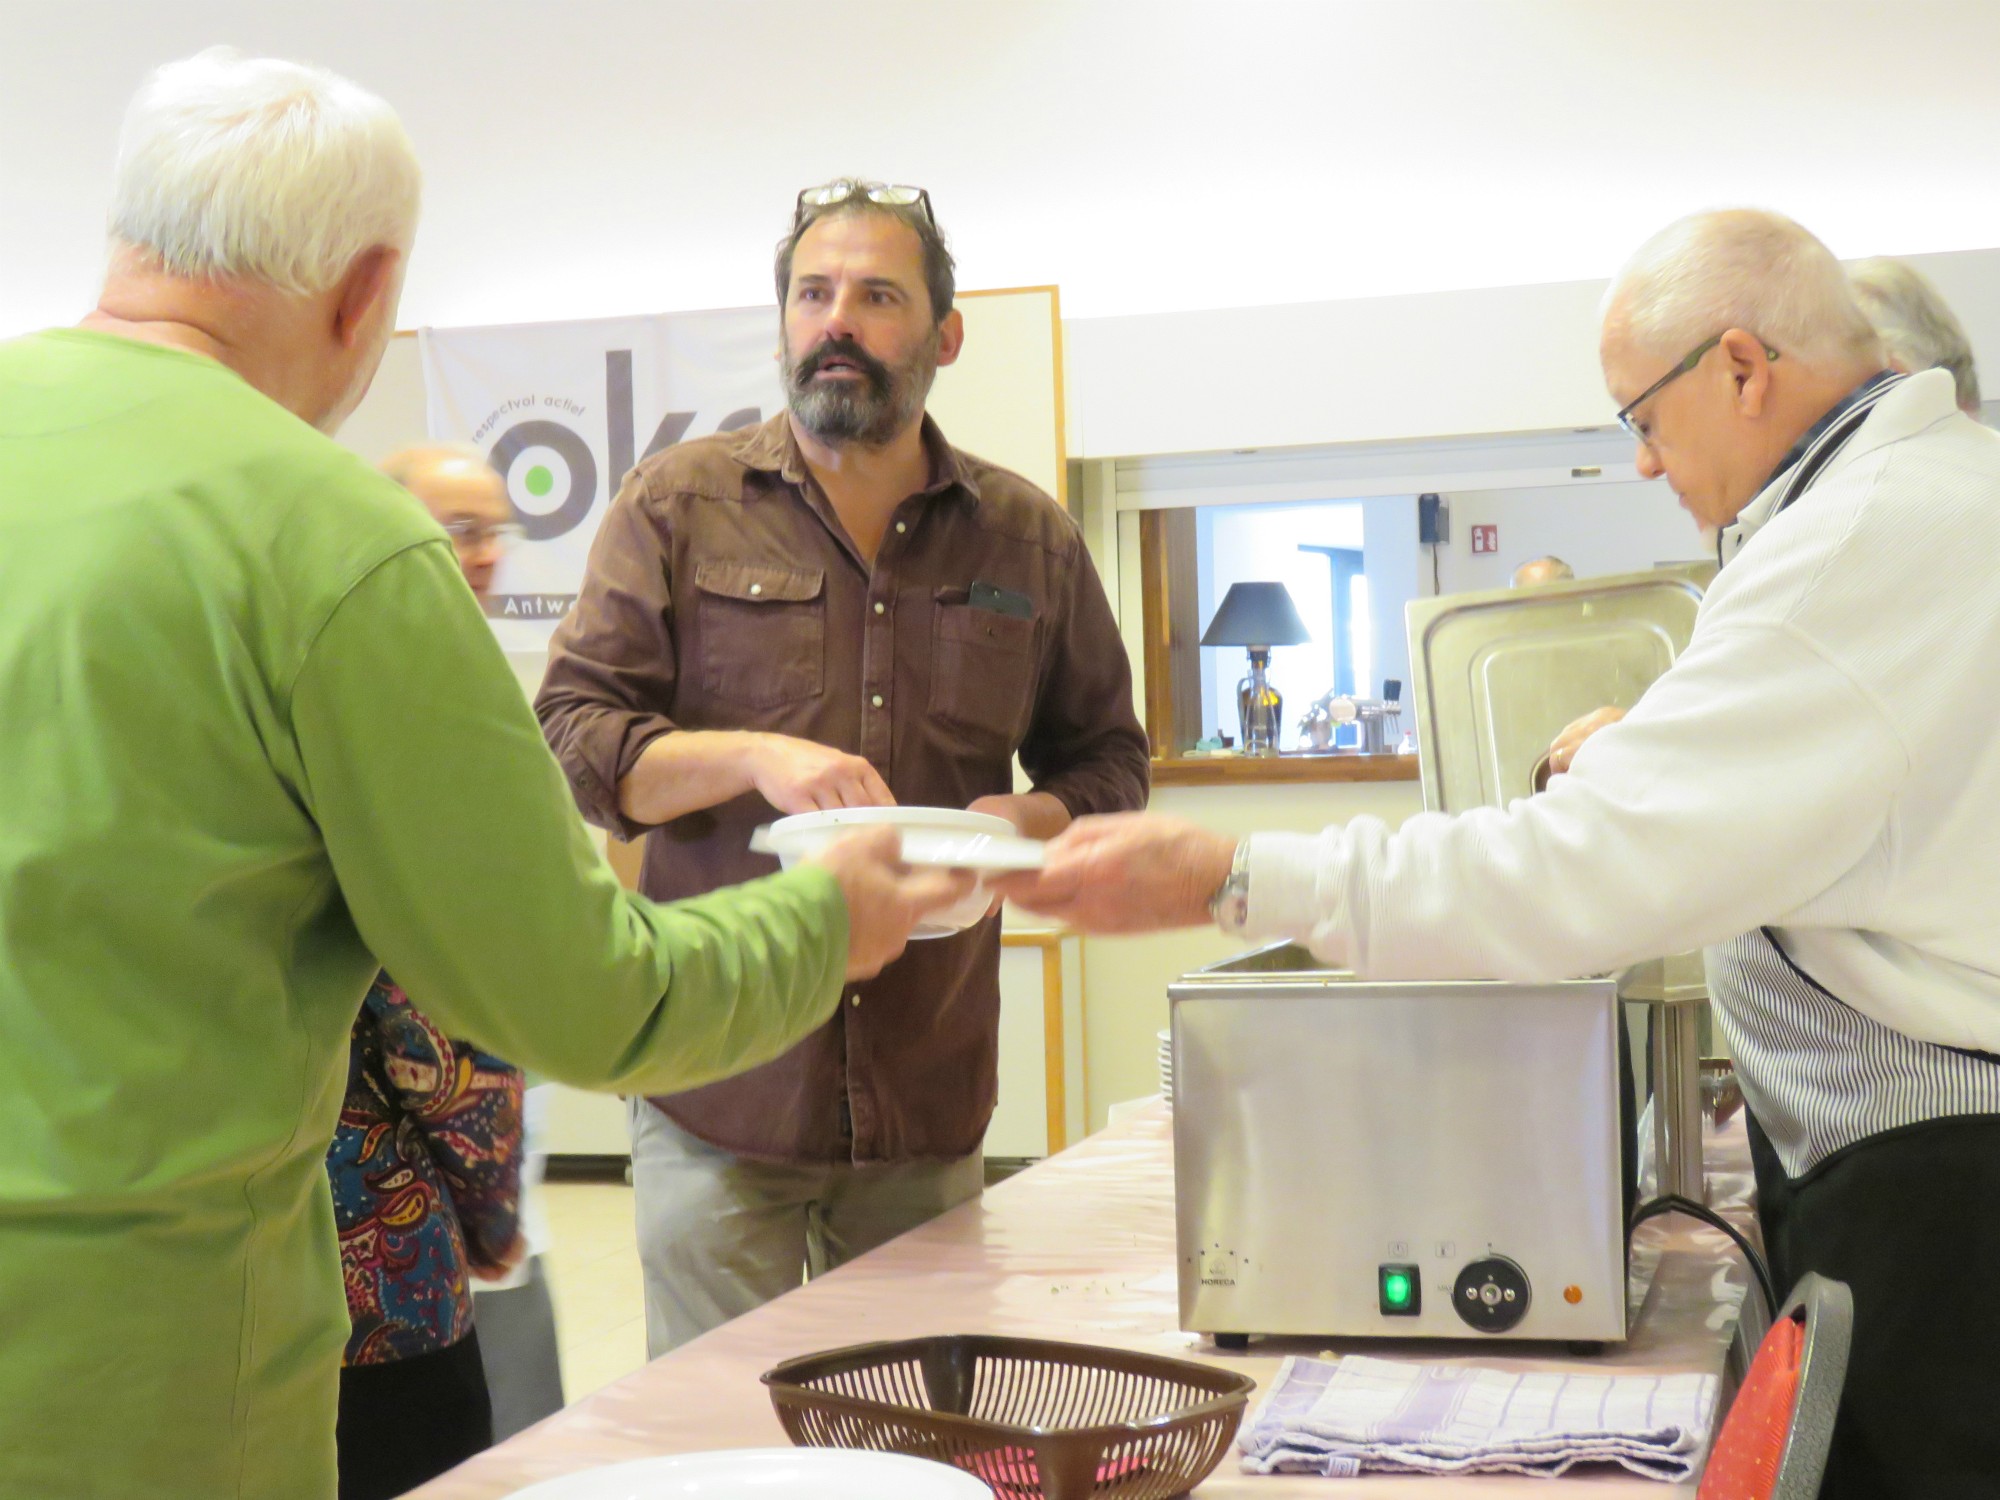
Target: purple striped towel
point(1360, 1415)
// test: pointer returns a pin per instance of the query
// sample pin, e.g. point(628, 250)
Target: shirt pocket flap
point(757, 583)
point(965, 625)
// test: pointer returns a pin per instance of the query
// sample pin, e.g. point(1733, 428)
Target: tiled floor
point(594, 1276)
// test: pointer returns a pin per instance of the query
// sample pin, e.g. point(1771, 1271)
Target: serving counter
point(1080, 1247)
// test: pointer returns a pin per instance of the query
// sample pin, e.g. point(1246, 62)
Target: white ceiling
point(609, 156)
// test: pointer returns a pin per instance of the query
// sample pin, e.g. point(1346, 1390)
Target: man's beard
point(870, 411)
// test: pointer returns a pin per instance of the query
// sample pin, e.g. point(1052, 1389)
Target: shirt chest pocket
point(762, 631)
point(982, 669)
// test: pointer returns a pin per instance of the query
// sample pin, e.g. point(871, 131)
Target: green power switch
point(1400, 1291)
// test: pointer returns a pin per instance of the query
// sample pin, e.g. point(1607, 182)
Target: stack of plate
point(1167, 1068)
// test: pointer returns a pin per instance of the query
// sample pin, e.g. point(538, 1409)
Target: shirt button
point(857, 1002)
point(879, 607)
point(876, 700)
point(756, 589)
point(901, 528)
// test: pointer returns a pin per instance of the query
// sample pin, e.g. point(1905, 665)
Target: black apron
point(1877, 1159)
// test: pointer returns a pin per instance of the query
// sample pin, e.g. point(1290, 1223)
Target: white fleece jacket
point(1824, 759)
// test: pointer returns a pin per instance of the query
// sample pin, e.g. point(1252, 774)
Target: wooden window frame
point(1169, 595)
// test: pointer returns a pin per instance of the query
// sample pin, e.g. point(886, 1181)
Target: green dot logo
point(557, 476)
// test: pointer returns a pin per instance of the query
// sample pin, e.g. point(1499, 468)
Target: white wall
point(391, 415)
point(603, 157)
point(1392, 557)
point(1125, 979)
point(1403, 370)
point(1596, 529)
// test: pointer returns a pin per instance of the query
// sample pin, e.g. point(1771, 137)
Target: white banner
point(563, 410)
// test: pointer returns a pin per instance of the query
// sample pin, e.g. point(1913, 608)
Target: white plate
point(944, 849)
point(766, 1474)
point(943, 837)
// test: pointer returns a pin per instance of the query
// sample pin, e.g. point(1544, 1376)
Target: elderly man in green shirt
point(256, 740)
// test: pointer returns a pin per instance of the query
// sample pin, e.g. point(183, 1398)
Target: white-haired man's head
point(1918, 328)
point(1725, 337)
point(279, 188)
point(257, 169)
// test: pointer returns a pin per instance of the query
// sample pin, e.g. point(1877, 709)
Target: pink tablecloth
point(1080, 1247)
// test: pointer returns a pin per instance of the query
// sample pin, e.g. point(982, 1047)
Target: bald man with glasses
point(1807, 794)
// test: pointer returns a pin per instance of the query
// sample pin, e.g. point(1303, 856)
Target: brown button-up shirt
point(723, 593)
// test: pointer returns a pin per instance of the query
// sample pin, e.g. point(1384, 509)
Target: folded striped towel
point(1363, 1415)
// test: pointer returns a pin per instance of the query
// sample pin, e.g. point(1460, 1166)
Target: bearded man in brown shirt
point(833, 609)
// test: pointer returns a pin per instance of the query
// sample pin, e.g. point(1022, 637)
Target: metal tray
point(1495, 675)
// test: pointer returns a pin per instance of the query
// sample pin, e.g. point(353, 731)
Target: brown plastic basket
point(1031, 1417)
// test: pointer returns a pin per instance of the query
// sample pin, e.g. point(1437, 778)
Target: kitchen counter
point(1081, 1247)
point(1291, 767)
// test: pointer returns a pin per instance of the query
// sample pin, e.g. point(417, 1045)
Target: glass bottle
point(1260, 707)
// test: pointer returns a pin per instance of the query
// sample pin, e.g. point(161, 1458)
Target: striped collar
point(1806, 461)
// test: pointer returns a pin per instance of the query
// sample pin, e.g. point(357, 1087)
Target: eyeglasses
point(845, 189)
point(466, 532)
point(1694, 356)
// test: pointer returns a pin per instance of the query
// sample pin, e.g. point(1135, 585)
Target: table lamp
point(1260, 616)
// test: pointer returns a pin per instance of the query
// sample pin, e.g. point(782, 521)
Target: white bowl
point(804, 834)
point(766, 1474)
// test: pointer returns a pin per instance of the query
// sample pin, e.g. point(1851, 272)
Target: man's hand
point(1035, 815)
point(691, 769)
point(1130, 872)
point(1565, 745)
point(800, 776)
point(885, 898)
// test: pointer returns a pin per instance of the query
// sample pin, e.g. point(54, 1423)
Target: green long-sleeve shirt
point(255, 738)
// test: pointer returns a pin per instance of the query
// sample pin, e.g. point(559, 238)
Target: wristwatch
point(1230, 905)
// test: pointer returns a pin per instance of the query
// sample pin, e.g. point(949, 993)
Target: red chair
point(1774, 1441)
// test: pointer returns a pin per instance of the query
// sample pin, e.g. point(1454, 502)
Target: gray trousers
point(720, 1234)
point(517, 1344)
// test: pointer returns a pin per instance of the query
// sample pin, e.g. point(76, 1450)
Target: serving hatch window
point(1348, 568)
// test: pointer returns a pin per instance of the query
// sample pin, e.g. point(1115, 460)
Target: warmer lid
point(1495, 675)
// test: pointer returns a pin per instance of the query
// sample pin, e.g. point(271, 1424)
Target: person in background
point(1919, 330)
point(260, 743)
point(1541, 570)
point(514, 1312)
point(425, 1166)
point(1808, 793)
point(467, 498)
point(833, 609)
point(427, 1159)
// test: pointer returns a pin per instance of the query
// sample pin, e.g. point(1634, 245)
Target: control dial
point(1491, 1294)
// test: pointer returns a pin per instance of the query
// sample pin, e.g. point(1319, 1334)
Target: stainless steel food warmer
point(1417, 1159)
point(1438, 1159)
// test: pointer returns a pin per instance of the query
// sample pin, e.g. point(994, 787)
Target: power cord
point(1674, 1203)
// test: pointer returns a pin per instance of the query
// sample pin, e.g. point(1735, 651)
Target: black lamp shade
point(1256, 614)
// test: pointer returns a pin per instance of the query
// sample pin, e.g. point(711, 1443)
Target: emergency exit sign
point(1485, 539)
